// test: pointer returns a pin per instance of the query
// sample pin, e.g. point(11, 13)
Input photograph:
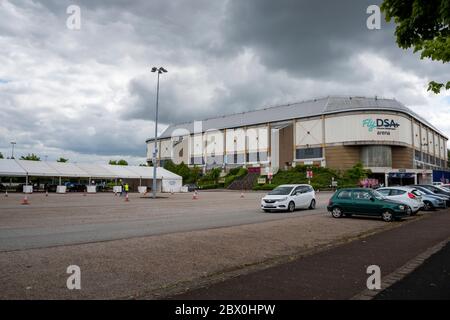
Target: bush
point(322, 177)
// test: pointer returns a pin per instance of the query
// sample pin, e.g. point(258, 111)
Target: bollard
point(25, 200)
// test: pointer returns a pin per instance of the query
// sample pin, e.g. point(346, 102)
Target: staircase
point(244, 183)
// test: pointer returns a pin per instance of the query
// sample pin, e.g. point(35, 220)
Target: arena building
point(391, 140)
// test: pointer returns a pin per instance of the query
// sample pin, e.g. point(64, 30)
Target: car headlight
point(401, 207)
point(282, 199)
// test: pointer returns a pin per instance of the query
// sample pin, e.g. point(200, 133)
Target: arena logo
point(384, 124)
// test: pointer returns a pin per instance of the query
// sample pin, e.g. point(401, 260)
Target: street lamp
point(155, 149)
point(12, 149)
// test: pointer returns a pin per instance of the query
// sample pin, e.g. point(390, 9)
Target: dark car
point(191, 187)
point(75, 187)
point(367, 202)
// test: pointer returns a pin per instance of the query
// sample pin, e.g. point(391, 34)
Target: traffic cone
point(25, 200)
point(242, 194)
point(6, 193)
point(195, 196)
point(126, 198)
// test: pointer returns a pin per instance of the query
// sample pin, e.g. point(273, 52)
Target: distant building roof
point(304, 109)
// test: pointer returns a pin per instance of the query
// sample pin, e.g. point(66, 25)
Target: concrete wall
point(342, 157)
point(286, 151)
point(402, 157)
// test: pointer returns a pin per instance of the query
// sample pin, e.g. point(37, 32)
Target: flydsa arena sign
point(381, 126)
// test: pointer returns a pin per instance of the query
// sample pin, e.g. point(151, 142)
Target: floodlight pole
point(155, 149)
point(12, 149)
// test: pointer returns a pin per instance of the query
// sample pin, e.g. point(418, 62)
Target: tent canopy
point(22, 168)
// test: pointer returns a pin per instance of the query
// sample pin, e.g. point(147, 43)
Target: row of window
point(425, 157)
point(236, 158)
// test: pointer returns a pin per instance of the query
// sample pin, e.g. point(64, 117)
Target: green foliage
point(62, 160)
point(189, 175)
point(120, 162)
point(31, 157)
point(423, 26)
point(234, 174)
point(211, 177)
point(356, 173)
point(322, 177)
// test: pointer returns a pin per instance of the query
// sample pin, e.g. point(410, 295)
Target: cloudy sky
point(89, 95)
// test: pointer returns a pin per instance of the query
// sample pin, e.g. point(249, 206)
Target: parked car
point(191, 187)
point(431, 201)
point(446, 186)
point(436, 190)
point(288, 197)
point(367, 202)
point(405, 195)
point(75, 187)
point(431, 193)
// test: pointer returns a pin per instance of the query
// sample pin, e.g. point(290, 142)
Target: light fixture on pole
point(12, 149)
point(155, 149)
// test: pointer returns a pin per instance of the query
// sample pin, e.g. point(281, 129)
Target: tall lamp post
point(155, 149)
point(12, 149)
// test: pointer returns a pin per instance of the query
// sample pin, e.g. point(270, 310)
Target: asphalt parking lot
point(149, 248)
point(74, 218)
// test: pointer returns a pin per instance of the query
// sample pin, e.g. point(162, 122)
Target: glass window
point(362, 195)
point(397, 192)
point(281, 191)
point(345, 195)
point(308, 153)
point(384, 192)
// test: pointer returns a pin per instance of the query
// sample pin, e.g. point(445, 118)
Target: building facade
point(337, 132)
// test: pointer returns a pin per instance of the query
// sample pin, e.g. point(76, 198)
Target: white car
point(288, 197)
point(406, 195)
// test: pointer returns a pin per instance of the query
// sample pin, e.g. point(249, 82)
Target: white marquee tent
point(24, 168)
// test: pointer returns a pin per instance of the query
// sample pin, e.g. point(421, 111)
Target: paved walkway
point(431, 280)
point(338, 273)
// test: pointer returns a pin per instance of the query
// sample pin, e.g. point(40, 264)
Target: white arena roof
point(304, 109)
point(22, 168)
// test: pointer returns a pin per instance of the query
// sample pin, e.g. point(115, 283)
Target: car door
point(345, 200)
point(365, 203)
point(299, 196)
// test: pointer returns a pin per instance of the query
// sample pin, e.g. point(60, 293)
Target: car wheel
point(409, 211)
point(337, 212)
point(427, 206)
point(291, 206)
point(312, 205)
point(387, 216)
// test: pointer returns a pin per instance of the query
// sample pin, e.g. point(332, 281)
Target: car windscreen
point(378, 195)
point(282, 191)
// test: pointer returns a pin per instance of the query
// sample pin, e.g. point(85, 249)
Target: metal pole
point(155, 149)
point(12, 149)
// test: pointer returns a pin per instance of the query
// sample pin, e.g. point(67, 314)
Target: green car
point(367, 202)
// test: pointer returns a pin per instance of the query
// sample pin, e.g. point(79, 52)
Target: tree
point(31, 157)
point(1, 155)
point(423, 26)
point(120, 162)
point(62, 160)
